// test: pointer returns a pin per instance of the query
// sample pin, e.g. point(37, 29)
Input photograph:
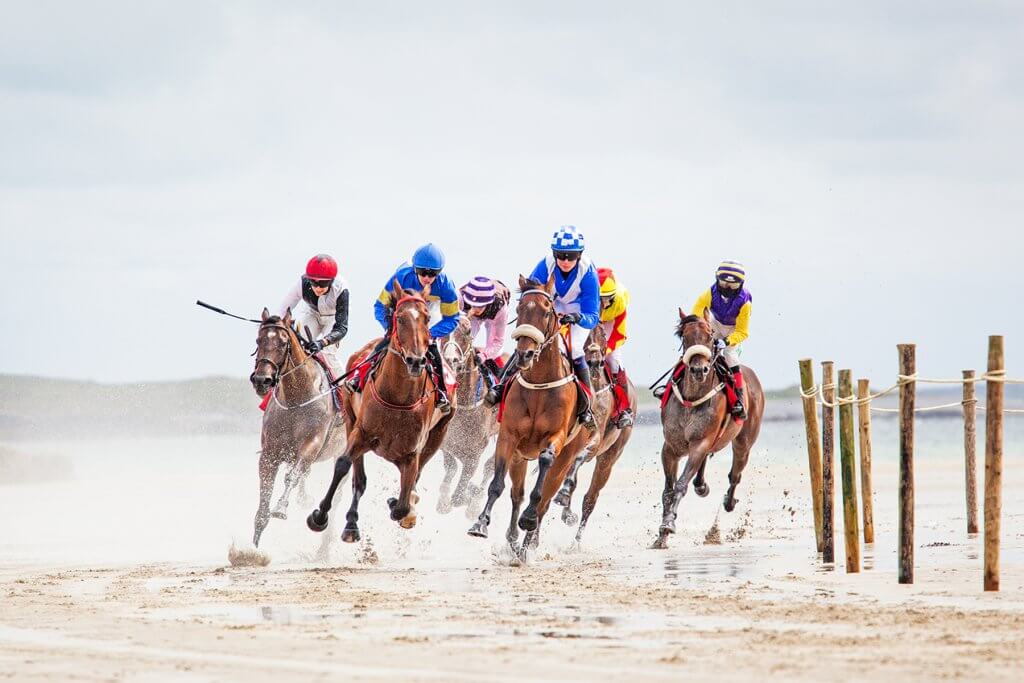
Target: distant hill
point(42, 408)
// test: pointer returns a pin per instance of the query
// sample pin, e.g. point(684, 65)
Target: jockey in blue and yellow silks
point(577, 301)
point(730, 304)
point(443, 300)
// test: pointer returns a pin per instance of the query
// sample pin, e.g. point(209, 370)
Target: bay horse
point(301, 424)
point(538, 420)
point(395, 416)
point(696, 422)
point(605, 449)
point(472, 427)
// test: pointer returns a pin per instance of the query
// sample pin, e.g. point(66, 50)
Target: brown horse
point(472, 426)
point(395, 416)
point(300, 425)
point(607, 448)
point(696, 422)
point(539, 420)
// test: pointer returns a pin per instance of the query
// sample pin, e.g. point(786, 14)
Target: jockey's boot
point(352, 383)
point(738, 410)
point(489, 369)
point(624, 418)
point(494, 394)
point(582, 370)
point(441, 401)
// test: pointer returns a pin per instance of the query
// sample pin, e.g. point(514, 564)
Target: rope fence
point(821, 446)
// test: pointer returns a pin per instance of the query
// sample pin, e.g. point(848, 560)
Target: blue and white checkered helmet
point(567, 238)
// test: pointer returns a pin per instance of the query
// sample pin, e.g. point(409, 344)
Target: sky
point(863, 160)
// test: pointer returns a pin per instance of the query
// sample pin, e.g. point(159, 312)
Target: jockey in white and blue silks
point(577, 300)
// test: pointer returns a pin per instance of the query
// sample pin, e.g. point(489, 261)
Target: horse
point(696, 422)
point(607, 448)
point(301, 424)
point(539, 418)
point(395, 416)
point(472, 426)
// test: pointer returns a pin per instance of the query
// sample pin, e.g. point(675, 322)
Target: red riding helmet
point(322, 267)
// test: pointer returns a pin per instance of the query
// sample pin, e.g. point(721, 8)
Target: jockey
point(730, 304)
point(319, 301)
point(614, 301)
point(485, 303)
point(425, 271)
point(577, 301)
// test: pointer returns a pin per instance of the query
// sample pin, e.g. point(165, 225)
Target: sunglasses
point(321, 284)
point(428, 272)
point(567, 255)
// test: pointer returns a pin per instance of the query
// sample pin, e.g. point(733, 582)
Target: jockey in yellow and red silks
point(730, 304)
point(614, 302)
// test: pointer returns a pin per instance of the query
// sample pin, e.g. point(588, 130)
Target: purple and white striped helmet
point(479, 291)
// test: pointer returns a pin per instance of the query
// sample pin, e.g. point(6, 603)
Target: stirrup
point(494, 394)
point(443, 405)
point(586, 418)
point(625, 419)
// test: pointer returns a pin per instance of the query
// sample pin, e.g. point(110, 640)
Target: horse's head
point(410, 327)
point(273, 348)
point(538, 321)
point(458, 350)
point(597, 343)
point(698, 340)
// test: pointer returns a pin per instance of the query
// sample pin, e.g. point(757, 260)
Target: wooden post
point(828, 426)
point(813, 446)
point(864, 430)
point(908, 366)
point(970, 449)
point(848, 460)
point(993, 462)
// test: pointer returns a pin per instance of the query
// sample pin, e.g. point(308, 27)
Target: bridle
point(534, 333)
point(395, 346)
point(711, 353)
point(277, 367)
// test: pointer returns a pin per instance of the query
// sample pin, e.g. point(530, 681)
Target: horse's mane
point(531, 285)
point(683, 322)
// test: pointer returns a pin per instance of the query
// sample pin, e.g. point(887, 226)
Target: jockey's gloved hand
point(720, 344)
point(570, 319)
point(315, 345)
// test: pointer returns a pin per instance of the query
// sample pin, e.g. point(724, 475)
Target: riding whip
point(223, 312)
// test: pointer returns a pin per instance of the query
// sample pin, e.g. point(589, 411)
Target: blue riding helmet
point(428, 256)
point(567, 238)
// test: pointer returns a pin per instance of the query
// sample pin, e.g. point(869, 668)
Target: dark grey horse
point(300, 425)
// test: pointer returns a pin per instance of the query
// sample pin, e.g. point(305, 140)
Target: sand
point(120, 572)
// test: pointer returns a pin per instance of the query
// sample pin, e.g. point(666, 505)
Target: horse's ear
point(396, 290)
point(682, 314)
point(426, 291)
point(550, 286)
point(707, 315)
point(523, 283)
point(266, 314)
point(287, 319)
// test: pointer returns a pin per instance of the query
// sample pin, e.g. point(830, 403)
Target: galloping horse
point(395, 416)
point(696, 422)
point(539, 419)
point(608, 448)
point(472, 426)
point(300, 425)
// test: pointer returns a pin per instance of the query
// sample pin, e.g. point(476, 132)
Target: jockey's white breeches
point(731, 354)
point(614, 360)
point(578, 340)
point(319, 325)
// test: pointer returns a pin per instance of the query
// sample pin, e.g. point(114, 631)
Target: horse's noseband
point(276, 377)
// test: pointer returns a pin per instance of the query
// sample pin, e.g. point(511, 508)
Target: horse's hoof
point(478, 530)
point(666, 529)
point(660, 543)
point(702, 491)
point(729, 504)
point(528, 522)
point(563, 498)
point(409, 520)
point(444, 506)
point(317, 521)
point(350, 535)
point(569, 517)
point(279, 515)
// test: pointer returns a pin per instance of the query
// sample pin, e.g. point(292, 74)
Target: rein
point(400, 352)
point(278, 375)
point(395, 346)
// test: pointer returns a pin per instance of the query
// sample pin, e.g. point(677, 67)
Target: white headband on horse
point(697, 350)
point(528, 331)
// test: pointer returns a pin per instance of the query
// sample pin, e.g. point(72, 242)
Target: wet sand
point(126, 577)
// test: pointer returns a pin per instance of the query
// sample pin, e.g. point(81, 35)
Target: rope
point(818, 392)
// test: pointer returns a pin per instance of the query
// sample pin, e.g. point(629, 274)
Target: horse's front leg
point(502, 455)
point(351, 531)
point(296, 473)
point(517, 472)
point(740, 455)
point(528, 520)
point(402, 510)
point(356, 448)
point(461, 495)
point(700, 485)
point(444, 500)
point(268, 466)
point(564, 495)
point(670, 465)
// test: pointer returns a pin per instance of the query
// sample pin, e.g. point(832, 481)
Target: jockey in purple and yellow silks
point(578, 303)
point(730, 304)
